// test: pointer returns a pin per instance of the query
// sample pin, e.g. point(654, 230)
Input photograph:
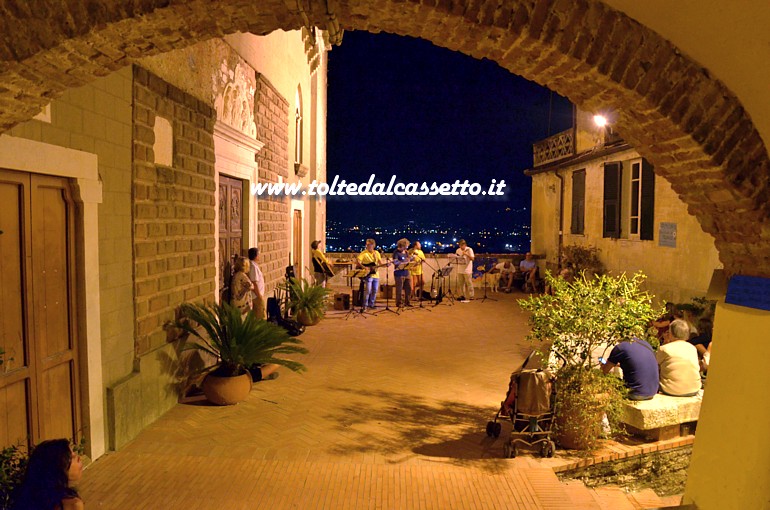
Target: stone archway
point(687, 123)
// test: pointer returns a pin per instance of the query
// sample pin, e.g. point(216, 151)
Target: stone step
point(646, 499)
point(612, 498)
point(580, 495)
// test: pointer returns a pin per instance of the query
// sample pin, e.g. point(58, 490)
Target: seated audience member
point(678, 362)
point(507, 272)
point(52, 467)
point(661, 325)
point(706, 361)
point(640, 368)
point(703, 339)
point(566, 274)
point(528, 267)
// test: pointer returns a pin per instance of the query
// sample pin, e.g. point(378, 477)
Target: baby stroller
point(531, 411)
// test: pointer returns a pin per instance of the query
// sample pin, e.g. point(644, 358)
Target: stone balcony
point(554, 148)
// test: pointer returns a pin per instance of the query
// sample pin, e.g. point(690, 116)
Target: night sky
point(402, 106)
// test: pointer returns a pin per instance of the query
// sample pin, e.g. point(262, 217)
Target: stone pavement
point(390, 415)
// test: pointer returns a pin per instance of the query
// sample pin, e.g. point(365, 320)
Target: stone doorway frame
point(82, 169)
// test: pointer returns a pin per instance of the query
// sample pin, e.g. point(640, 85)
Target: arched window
point(298, 127)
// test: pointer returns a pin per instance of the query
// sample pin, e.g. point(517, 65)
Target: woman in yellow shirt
point(417, 275)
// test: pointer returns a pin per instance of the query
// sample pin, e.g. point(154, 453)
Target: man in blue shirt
point(640, 368)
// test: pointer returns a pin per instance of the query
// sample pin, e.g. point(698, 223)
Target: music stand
point(361, 274)
point(387, 295)
point(441, 275)
point(458, 260)
point(486, 272)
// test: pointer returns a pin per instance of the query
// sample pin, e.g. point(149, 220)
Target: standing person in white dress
point(465, 275)
point(258, 280)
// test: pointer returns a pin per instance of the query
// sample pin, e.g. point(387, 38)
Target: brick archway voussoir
point(690, 126)
point(687, 123)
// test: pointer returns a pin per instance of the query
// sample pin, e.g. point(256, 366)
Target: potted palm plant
point(581, 320)
point(236, 342)
point(308, 302)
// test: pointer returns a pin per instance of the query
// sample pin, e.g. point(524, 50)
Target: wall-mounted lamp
point(600, 120)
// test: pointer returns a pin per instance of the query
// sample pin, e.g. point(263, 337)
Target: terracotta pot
point(225, 391)
point(579, 426)
point(304, 318)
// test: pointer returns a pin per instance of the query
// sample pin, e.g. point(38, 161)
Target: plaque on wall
point(749, 291)
point(667, 235)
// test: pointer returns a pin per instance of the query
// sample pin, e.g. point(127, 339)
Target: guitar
point(397, 265)
point(324, 267)
point(373, 266)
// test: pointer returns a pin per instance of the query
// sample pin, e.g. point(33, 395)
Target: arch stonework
point(692, 128)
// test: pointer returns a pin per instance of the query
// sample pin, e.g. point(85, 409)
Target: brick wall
point(272, 119)
point(173, 207)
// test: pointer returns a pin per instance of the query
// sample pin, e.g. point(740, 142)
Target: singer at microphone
point(465, 274)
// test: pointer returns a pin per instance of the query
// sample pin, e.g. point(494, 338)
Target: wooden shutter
point(578, 201)
point(612, 194)
point(647, 226)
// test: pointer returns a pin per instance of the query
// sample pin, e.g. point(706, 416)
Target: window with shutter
point(612, 193)
point(647, 220)
point(578, 201)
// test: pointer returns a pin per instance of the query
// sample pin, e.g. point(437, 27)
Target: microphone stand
point(362, 311)
point(387, 294)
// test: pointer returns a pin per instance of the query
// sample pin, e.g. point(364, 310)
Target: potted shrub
point(308, 301)
point(13, 462)
point(236, 342)
point(581, 318)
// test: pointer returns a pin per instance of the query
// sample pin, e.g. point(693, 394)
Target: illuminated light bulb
point(600, 120)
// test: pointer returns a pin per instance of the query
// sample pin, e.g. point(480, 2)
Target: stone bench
point(662, 417)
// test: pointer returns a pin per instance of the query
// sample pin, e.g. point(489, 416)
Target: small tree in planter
point(308, 301)
point(579, 318)
point(236, 341)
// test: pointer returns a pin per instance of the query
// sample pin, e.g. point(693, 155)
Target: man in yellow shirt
point(370, 258)
point(417, 275)
point(320, 264)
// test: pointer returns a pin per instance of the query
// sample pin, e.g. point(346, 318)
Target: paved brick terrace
point(390, 414)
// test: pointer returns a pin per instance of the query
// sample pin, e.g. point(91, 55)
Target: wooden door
point(297, 243)
point(230, 225)
point(39, 397)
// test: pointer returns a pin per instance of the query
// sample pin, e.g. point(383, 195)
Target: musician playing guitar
point(373, 260)
point(403, 277)
point(322, 270)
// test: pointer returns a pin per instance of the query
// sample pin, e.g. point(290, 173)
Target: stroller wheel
point(496, 429)
point(490, 428)
point(510, 450)
point(547, 448)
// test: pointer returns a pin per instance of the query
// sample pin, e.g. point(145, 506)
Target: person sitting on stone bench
point(507, 272)
point(678, 362)
point(529, 269)
point(640, 368)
